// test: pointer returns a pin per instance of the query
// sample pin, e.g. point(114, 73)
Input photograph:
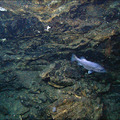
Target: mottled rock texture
point(37, 77)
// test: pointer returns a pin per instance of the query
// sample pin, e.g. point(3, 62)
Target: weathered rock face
point(76, 108)
point(60, 74)
point(16, 26)
point(37, 77)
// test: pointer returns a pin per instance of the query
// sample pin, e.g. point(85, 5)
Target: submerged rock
point(36, 73)
point(60, 74)
point(74, 108)
point(3, 110)
point(17, 25)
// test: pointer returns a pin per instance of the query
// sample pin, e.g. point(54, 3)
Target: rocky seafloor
point(38, 81)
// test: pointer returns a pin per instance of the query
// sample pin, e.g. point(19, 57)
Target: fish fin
point(103, 71)
point(82, 57)
point(79, 64)
point(90, 71)
point(73, 58)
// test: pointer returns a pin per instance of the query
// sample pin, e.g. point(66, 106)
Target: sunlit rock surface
point(37, 78)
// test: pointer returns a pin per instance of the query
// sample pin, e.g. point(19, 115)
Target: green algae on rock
point(36, 76)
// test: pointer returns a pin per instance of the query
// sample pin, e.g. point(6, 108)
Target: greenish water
point(38, 80)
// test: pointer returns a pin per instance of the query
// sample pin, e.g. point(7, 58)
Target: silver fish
point(90, 66)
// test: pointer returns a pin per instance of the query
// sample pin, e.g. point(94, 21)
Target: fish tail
point(73, 58)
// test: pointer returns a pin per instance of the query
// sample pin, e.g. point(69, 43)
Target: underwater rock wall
point(37, 78)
